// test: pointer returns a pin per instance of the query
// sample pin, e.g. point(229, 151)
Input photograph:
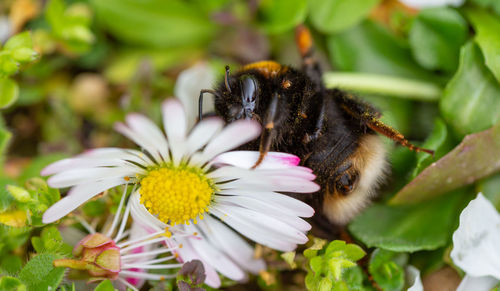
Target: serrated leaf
point(470, 100)
point(331, 16)
point(474, 158)
point(487, 27)
point(40, 274)
point(278, 16)
point(105, 285)
point(409, 228)
point(9, 92)
point(436, 36)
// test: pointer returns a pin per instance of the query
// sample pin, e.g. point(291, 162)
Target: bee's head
point(240, 97)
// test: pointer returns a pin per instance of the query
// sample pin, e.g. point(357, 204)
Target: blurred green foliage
point(69, 69)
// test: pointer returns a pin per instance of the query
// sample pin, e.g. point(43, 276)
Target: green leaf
point(476, 157)
point(440, 141)
point(105, 285)
point(278, 16)
point(436, 36)
point(470, 100)
point(385, 271)
point(11, 264)
point(20, 40)
point(329, 16)
point(6, 199)
point(493, 4)
point(408, 228)
point(9, 92)
point(11, 284)
point(50, 240)
point(40, 274)
point(5, 137)
point(490, 188)
point(487, 27)
point(339, 248)
point(370, 48)
point(316, 264)
point(37, 164)
point(155, 23)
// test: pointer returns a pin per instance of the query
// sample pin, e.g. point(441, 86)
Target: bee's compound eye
point(248, 89)
point(345, 183)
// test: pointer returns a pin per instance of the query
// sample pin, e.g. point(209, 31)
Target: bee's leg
point(309, 63)
point(382, 128)
point(268, 134)
point(369, 117)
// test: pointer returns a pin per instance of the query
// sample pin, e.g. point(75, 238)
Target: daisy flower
point(476, 245)
point(190, 184)
point(124, 260)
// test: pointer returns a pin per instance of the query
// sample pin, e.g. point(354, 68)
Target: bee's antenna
point(226, 76)
point(200, 101)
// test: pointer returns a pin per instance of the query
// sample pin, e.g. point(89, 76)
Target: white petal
point(232, 244)
point(79, 176)
point(469, 283)
point(105, 157)
point(265, 222)
point(246, 159)
point(226, 173)
point(253, 232)
point(140, 139)
point(299, 208)
point(413, 277)
point(174, 122)
point(235, 134)
point(188, 86)
point(419, 4)
point(476, 241)
point(140, 123)
point(214, 256)
point(202, 133)
point(76, 197)
point(141, 214)
point(286, 215)
point(279, 184)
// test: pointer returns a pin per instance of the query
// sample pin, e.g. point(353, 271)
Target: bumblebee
point(333, 132)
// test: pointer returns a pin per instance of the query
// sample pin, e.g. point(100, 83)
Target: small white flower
point(125, 260)
point(476, 245)
point(419, 4)
point(189, 184)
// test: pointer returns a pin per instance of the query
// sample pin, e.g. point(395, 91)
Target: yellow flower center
point(176, 194)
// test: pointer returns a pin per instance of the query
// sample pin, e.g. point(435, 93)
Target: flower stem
point(383, 85)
